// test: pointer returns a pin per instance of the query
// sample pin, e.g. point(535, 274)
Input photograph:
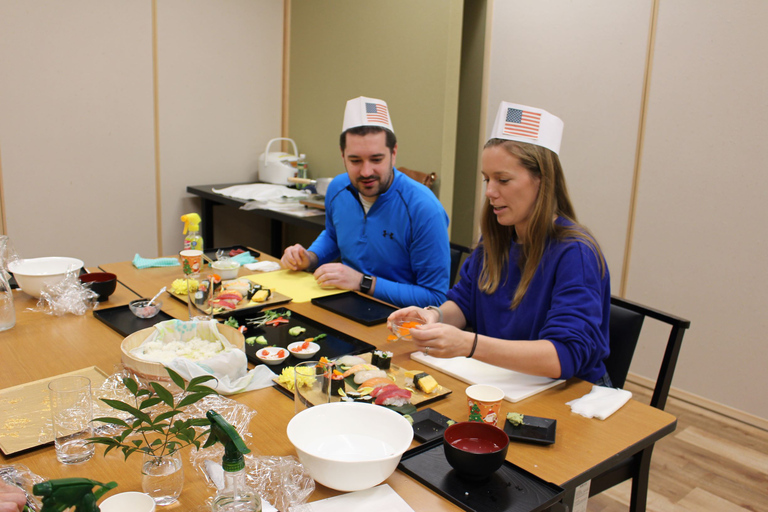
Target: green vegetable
point(250, 340)
point(232, 322)
point(319, 337)
point(450, 422)
point(261, 340)
point(295, 331)
point(409, 418)
point(515, 418)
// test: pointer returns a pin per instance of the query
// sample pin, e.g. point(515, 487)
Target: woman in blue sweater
point(536, 290)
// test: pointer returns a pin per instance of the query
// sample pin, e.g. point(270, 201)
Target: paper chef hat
point(364, 111)
point(528, 124)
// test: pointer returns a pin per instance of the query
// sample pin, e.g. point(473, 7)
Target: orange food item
point(281, 353)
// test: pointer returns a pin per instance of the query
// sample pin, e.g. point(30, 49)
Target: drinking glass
point(199, 301)
point(309, 388)
point(72, 412)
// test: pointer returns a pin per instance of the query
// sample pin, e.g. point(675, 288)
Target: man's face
point(369, 163)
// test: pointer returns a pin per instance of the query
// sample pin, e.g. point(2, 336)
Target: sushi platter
point(234, 295)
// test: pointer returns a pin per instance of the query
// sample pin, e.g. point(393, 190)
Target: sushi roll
point(354, 396)
point(382, 359)
point(336, 383)
point(394, 397)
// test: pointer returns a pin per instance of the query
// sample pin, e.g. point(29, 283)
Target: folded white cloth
point(381, 498)
point(264, 266)
point(259, 192)
point(601, 402)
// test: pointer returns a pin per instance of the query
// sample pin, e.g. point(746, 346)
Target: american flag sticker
point(376, 113)
point(522, 123)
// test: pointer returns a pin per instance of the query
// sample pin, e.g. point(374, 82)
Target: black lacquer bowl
point(474, 449)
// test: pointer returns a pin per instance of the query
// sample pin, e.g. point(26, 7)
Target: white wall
point(697, 247)
point(77, 117)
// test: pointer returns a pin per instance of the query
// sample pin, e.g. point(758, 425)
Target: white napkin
point(259, 192)
point(264, 266)
point(227, 384)
point(601, 402)
point(381, 498)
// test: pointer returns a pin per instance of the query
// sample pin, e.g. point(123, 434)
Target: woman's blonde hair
point(552, 201)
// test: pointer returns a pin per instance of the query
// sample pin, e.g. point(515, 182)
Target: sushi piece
point(425, 382)
point(336, 383)
point(359, 368)
point(365, 375)
point(350, 361)
point(394, 397)
point(382, 359)
point(354, 396)
point(376, 382)
point(381, 389)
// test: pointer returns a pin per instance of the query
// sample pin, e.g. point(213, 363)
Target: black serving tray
point(510, 489)
point(356, 307)
point(211, 253)
point(334, 344)
point(126, 323)
point(428, 424)
point(533, 430)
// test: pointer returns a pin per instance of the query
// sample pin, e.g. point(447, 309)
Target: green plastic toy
point(59, 495)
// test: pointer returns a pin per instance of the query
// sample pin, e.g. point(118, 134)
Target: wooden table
point(42, 346)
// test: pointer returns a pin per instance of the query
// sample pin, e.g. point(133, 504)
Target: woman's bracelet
point(439, 313)
point(474, 346)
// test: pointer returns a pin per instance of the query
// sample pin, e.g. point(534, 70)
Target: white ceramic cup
point(128, 502)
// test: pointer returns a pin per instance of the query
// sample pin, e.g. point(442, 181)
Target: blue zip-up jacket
point(403, 240)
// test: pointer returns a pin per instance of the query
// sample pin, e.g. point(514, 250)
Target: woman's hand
point(12, 498)
point(425, 316)
point(442, 340)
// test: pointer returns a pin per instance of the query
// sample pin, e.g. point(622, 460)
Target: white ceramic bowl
point(33, 274)
point(128, 502)
point(226, 269)
point(349, 446)
point(272, 355)
point(308, 352)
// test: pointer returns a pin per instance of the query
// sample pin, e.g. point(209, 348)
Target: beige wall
point(78, 124)
point(696, 248)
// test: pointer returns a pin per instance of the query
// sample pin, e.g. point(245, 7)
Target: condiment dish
point(143, 309)
point(308, 351)
point(272, 355)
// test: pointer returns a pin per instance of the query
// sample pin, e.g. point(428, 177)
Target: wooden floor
point(710, 463)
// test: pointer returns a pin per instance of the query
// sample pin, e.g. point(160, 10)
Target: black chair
point(626, 323)
point(457, 251)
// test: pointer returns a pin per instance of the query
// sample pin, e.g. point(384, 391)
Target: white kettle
point(277, 167)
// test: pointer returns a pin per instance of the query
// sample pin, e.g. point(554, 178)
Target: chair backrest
point(425, 179)
point(456, 253)
point(626, 326)
point(624, 332)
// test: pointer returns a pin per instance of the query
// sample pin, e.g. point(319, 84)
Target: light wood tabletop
point(42, 346)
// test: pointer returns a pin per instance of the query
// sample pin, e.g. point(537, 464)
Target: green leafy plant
point(163, 434)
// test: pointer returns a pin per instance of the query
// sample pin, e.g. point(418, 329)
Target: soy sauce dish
point(474, 449)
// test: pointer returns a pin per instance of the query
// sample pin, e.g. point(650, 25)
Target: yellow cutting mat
point(300, 286)
point(25, 411)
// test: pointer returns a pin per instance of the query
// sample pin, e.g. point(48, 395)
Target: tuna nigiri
point(394, 397)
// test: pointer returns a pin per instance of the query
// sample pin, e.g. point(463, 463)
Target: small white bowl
point(272, 355)
point(128, 502)
point(33, 274)
point(349, 446)
point(306, 353)
point(226, 269)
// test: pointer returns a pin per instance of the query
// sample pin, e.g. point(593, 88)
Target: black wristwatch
point(366, 283)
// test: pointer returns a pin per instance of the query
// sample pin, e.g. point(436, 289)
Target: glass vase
point(162, 477)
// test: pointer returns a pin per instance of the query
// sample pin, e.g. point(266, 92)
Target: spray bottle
point(64, 493)
point(235, 496)
point(193, 240)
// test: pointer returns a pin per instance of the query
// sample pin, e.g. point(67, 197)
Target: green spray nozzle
point(59, 495)
point(191, 222)
point(234, 447)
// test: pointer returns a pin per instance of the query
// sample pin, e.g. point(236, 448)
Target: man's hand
point(340, 276)
point(296, 257)
point(12, 498)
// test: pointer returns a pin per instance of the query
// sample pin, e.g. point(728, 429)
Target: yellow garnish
point(179, 286)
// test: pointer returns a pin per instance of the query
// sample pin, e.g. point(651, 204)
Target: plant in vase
point(158, 438)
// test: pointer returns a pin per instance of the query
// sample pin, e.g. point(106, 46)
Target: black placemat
point(333, 345)
point(356, 307)
point(126, 323)
point(510, 489)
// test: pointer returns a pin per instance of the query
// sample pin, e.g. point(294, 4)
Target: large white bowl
point(33, 274)
point(350, 446)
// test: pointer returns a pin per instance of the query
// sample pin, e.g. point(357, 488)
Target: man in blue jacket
point(390, 232)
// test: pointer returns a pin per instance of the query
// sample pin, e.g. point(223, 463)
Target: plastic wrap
point(67, 296)
point(21, 476)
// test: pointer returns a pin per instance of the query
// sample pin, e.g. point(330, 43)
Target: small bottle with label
point(302, 170)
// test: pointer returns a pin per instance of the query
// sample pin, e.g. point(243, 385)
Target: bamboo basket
point(156, 371)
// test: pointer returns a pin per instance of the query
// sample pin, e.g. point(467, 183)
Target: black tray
point(126, 323)
point(510, 489)
point(211, 253)
point(356, 307)
point(334, 344)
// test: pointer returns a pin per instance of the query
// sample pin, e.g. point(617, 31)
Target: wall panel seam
point(156, 114)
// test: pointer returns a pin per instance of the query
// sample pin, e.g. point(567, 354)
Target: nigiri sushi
point(359, 368)
point(376, 382)
point(364, 375)
point(394, 397)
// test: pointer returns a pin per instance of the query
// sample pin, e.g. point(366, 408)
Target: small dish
point(402, 328)
point(143, 309)
point(429, 424)
point(533, 430)
point(303, 349)
point(272, 355)
point(226, 269)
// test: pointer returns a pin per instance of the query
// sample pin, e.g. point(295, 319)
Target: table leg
point(276, 238)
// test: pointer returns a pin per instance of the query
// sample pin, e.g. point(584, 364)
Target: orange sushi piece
point(376, 382)
point(359, 368)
